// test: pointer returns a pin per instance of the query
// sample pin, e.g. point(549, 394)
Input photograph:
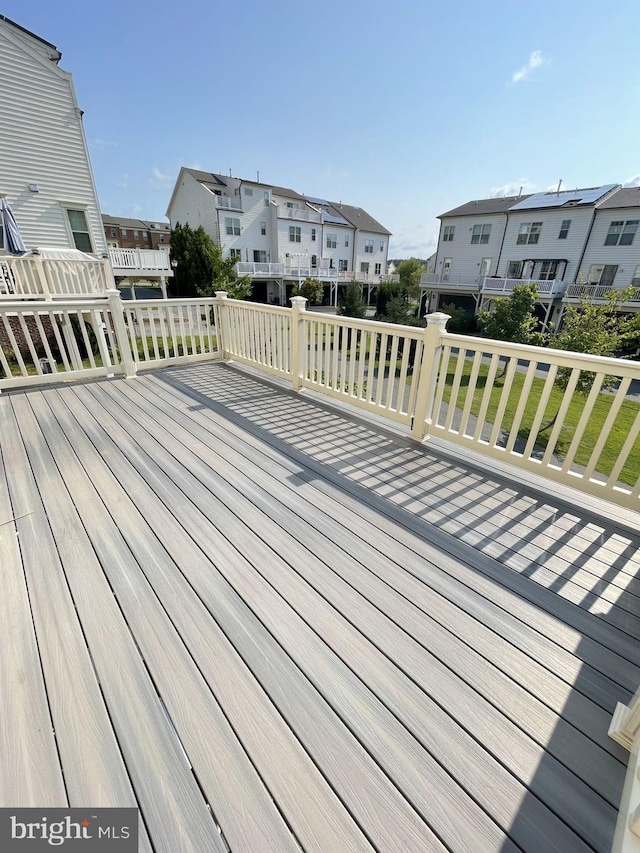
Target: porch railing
point(448, 281)
point(34, 277)
point(596, 291)
point(568, 417)
point(139, 260)
point(552, 287)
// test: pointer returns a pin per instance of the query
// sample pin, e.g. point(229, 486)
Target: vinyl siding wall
point(195, 205)
point(626, 258)
point(377, 257)
point(43, 143)
point(466, 255)
point(549, 246)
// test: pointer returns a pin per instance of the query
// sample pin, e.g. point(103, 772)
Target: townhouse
point(280, 236)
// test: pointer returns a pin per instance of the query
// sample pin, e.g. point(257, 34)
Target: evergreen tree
point(201, 269)
point(352, 303)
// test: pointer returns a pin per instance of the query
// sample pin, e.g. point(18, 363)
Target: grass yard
point(615, 441)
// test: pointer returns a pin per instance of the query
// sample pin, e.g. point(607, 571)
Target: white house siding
point(306, 244)
point(549, 246)
point(379, 254)
point(43, 143)
point(253, 213)
point(341, 252)
point(194, 204)
point(626, 258)
point(467, 256)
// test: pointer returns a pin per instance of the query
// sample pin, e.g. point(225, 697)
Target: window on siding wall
point(481, 233)
point(259, 256)
point(529, 232)
point(124, 232)
point(346, 241)
point(343, 266)
point(235, 253)
point(295, 234)
point(368, 247)
point(332, 241)
point(80, 230)
point(635, 281)
point(621, 233)
point(266, 199)
point(263, 228)
point(313, 235)
point(1, 237)
point(248, 191)
point(602, 274)
point(564, 229)
point(378, 269)
point(232, 225)
point(382, 245)
point(145, 236)
point(514, 269)
point(136, 235)
point(364, 266)
point(447, 233)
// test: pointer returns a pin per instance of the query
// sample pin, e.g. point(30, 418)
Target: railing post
point(298, 304)
point(122, 339)
point(42, 277)
point(222, 323)
point(429, 369)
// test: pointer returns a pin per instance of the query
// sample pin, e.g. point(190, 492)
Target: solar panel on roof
point(565, 197)
point(316, 200)
point(337, 220)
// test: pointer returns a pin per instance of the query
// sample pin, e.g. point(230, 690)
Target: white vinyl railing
point(300, 214)
point(566, 416)
point(596, 291)
point(552, 287)
point(447, 281)
point(259, 268)
point(227, 203)
point(34, 277)
point(141, 259)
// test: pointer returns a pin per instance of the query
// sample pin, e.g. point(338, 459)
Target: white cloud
point(160, 181)
point(632, 182)
point(512, 188)
point(535, 61)
point(104, 143)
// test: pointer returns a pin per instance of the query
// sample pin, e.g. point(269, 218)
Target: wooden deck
point(273, 626)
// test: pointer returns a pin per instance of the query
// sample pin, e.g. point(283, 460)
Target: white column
point(297, 342)
point(429, 368)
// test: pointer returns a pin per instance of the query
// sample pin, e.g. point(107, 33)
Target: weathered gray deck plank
point(30, 766)
point(420, 611)
point(294, 592)
point(312, 808)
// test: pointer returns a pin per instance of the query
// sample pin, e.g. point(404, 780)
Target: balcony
point(447, 282)
point(363, 277)
point(304, 214)
point(395, 645)
point(551, 289)
point(53, 274)
point(228, 203)
point(140, 262)
point(597, 293)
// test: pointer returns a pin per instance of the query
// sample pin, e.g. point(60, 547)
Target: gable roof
point(359, 218)
point(586, 197)
point(142, 224)
point(205, 177)
point(624, 197)
point(485, 205)
point(24, 30)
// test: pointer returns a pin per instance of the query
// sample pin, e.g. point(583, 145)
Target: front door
point(485, 266)
point(446, 268)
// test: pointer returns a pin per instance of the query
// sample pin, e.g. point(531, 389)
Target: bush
point(462, 322)
point(311, 289)
point(352, 303)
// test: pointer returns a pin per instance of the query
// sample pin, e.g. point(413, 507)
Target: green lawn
point(615, 441)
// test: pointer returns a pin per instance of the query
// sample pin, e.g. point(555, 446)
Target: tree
point(352, 304)
point(201, 269)
point(311, 289)
point(599, 329)
point(386, 291)
point(462, 322)
point(410, 272)
point(512, 318)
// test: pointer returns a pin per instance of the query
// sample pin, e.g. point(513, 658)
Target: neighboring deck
point(275, 626)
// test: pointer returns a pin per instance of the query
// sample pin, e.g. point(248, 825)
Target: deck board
point(301, 631)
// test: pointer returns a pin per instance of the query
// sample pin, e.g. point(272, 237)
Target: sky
point(406, 109)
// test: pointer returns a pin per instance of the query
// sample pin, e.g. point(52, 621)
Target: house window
point(266, 199)
point(235, 253)
point(514, 269)
point(548, 270)
point(259, 256)
point(145, 236)
point(346, 241)
point(447, 233)
point(378, 269)
point(124, 232)
point(136, 235)
point(382, 245)
point(295, 234)
point(313, 235)
point(529, 232)
point(635, 281)
point(343, 266)
point(232, 225)
point(621, 233)
point(332, 241)
point(80, 230)
point(314, 260)
point(263, 228)
point(481, 233)
point(364, 266)
point(114, 232)
point(564, 229)
point(368, 247)
point(248, 191)
point(602, 274)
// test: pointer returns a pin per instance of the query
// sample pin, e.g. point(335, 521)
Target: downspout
point(504, 234)
point(586, 242)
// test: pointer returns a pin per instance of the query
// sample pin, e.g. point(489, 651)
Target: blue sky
point(406, 109)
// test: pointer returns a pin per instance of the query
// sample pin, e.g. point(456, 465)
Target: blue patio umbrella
point(13, 242)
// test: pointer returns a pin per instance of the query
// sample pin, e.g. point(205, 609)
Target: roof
point(205, 177)
point(564, 198)
point(624, 197)
point(288, 193)
point(484, 205)
point(359, 218)
point(124, 222)
point(33, 35)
